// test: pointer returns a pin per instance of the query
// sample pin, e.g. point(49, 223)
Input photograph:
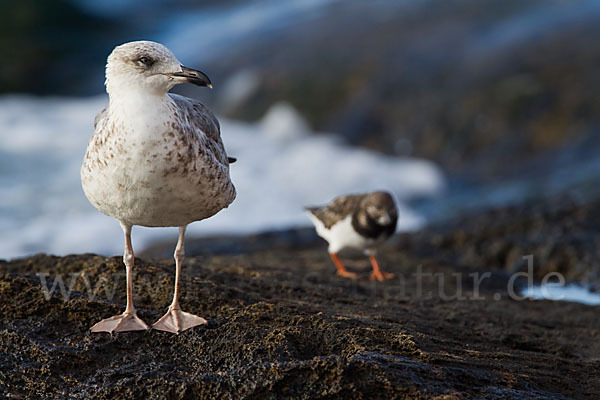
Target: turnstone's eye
point(147, 61)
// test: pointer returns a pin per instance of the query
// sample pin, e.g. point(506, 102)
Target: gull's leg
point(175, 320)
point(341, 270)
point(377, 273)
point(128, 321)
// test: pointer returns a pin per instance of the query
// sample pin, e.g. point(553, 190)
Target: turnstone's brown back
point(373, 216)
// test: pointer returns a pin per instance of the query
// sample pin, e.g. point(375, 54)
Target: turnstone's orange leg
point(341, 270)
point(377, 273)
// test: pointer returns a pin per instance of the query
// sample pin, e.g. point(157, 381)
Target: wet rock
point(560, 233)
point(282, 324)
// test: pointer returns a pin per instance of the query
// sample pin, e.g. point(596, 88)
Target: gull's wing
point(201, 119)
point(338, 209)
point(100, 116)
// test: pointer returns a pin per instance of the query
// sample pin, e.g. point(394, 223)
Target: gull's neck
point(140, 113)
point(133, 101)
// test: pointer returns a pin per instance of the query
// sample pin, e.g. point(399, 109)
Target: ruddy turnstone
point(360, 221)
point(155, 159)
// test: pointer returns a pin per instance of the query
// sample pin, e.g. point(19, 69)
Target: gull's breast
point(158, 178)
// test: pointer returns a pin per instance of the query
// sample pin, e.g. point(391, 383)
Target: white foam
point(575, 293)
point(281, 167)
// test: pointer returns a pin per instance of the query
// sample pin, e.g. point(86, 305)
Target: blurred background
point(454, 105)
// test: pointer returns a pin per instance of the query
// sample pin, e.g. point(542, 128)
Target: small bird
point(155, 159)
point(360, 221)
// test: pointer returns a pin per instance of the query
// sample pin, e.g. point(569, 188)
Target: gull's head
point(148, 67)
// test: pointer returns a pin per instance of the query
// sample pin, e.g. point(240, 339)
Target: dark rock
point(282, 324)
point(280, 239)
point(561, 233)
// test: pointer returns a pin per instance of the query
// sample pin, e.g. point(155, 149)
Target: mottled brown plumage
point(357, 205)
point(337, 210)
point(360, 221)
point(155, 159)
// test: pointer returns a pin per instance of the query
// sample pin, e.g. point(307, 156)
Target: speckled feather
point(337, 210)
point(155, 160)
point(174, 174)
point(345, 222)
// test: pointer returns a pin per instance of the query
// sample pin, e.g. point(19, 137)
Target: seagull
point(155, 159)
point(360, 221)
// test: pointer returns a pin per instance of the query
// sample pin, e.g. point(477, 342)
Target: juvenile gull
point(360, 221)
point(155, 159)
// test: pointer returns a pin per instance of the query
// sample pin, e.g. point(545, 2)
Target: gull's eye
point(146, 61)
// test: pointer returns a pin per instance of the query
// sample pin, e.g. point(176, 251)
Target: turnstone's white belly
point(342, 235)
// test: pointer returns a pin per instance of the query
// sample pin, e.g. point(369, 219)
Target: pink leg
point(128, 321)
point(175, 320)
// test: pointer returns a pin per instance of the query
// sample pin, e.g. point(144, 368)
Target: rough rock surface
point(281, 323)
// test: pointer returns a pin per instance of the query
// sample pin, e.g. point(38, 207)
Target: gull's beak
point(192, 76)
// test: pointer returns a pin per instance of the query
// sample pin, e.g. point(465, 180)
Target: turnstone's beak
point(384, 219)
point(192, 76)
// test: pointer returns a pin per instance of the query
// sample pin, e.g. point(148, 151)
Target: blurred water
point(533, 22)
point(215, 31)
point(575, 293)
point(202, 32)
point(210, 29)
point(281, 167)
